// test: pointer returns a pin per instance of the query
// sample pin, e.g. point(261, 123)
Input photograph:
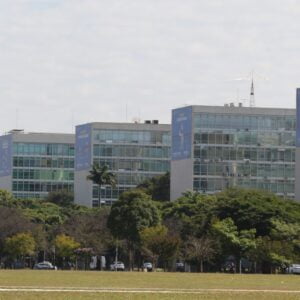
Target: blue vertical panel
point(5, 155)
point(298, 119)
point(83, 147)
point(182, 133)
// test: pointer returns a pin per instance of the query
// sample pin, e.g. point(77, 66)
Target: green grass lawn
point(210, 296)
point(134, 280)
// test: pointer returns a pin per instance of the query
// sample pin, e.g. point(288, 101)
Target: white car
point(45, 265)
point(293, 269)
point(148, 266)
point(119, 266)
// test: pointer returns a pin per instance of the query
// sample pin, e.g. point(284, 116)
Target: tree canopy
point(205, 231)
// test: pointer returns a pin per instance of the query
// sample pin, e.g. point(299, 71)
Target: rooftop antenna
point(252, 98)
point(250, 77)
point(72, 122)
point(17, 118)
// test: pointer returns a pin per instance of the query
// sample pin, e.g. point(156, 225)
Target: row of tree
point(235, 230)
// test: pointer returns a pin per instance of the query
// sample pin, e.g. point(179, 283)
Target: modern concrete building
point(218, 147)
point(34, 164)
point(133, 151)
point(297, 172)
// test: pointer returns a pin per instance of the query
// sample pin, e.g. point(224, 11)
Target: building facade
point(297, 171)
point(214, 148)
point(132, 151)
point(34, 164)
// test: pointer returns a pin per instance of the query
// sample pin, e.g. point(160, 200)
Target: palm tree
point(101, 175)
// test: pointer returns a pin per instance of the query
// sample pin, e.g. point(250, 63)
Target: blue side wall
point(182, 133)
point(5, 155)
point(298, 119)
point(83, 147)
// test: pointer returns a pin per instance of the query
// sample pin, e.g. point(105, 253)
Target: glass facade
point(40, 168)
point(133, 155)
point(251, 151)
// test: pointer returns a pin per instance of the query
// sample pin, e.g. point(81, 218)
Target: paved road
point(141, 290)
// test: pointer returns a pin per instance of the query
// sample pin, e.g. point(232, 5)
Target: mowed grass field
point(134, 285)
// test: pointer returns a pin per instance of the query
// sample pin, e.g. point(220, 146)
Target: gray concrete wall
point(245, 110)
point(181, 177)
point(131, 126)
point(38, 137)
point(83, 189)
point(6, 183)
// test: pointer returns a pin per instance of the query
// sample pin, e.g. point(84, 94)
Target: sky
point(68, 62)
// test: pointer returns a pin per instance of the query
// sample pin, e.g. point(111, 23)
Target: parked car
point(293, 269)
point(119, 266)
point(148, 266)
point(180, 266)
point(45, 265)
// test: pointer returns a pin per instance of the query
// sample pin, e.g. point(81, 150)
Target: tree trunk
point(99, 195)
point(240, 266)
point(130, 256)
point(201, 266)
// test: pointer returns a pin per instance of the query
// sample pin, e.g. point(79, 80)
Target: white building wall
point(83, 189)
point(181, 177)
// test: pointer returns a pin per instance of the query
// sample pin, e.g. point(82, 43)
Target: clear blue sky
point(65, 62)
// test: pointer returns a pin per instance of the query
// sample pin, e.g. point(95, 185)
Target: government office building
point(214, 148)
point(133, 151)
point(34, 164)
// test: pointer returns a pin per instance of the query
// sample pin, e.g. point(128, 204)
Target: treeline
point(235, 230)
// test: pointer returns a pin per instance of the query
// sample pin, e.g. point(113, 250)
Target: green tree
point(240, 243)
point(200, 250)
point(20, 245)
point(6, 199)
point(195, 211)
point(157, 243)
point(152, 241)
point(12, 221)
point(90, 229)
point(272, 255)
point(133, 212)
point(157, 187)
point(65, 246)
point(101, 176)
point(255, 209)
point(62, 198)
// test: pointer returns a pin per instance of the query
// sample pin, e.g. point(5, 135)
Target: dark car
point(180, 266)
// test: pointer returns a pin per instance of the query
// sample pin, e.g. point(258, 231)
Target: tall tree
point(62, 198)
point(133, 212)
point(158, 243)
point(12, 221)
point(237, 242)
point(101, 176)
point(152, 242)
point(200, 250)
point(65, 246)
point(157, 187)
point(90, 230)
point(20, 245)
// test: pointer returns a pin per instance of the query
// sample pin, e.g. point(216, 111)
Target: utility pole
point(116, 258)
